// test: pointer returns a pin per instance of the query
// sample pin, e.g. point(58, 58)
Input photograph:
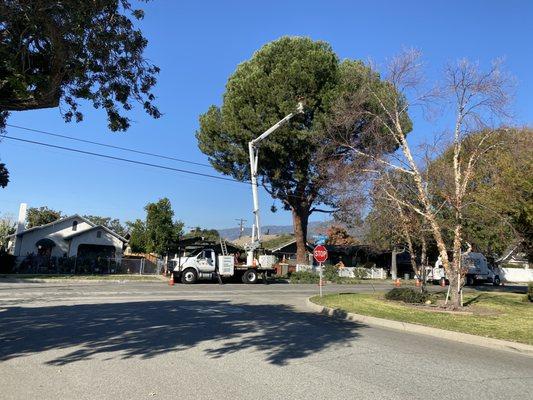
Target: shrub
point(407, 295)
point(330, 273)
point(530, 291)
point(360, 273)
point(304, 277)
point(7, 263)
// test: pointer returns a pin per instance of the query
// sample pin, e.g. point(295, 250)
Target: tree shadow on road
point(147, 329)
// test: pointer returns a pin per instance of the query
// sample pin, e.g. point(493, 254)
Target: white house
point(67, 237)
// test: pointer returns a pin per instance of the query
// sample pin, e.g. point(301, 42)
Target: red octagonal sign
point(320, 253)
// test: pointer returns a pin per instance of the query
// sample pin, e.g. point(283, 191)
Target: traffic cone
point(397, 282)
point(418, 283)
point(171, 281)
point(443, 282)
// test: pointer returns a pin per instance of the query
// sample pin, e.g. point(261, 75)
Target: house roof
point(35, 228)
point(68, 237)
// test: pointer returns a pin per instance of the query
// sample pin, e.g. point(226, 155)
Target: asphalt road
point(144, 340)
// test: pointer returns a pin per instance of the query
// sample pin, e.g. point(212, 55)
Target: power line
point(125, 159)
point(185, 171)
point(146, 153)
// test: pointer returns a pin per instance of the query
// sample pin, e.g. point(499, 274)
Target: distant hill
point(233, 233)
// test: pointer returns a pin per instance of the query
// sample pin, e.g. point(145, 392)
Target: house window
point(75, 225)
point(99, 234)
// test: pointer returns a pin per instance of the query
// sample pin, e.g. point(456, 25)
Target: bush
point(530, 291)
point(407, 295)
point(304, 277)
point(7, 263)
point(330, 273)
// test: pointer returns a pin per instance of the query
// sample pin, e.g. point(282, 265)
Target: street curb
point(495, 344)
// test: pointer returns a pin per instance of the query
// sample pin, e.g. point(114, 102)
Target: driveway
point(148, 340)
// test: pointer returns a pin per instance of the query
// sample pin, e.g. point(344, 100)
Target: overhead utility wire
point(123, 159)
point(146, 153)
point(185, 171)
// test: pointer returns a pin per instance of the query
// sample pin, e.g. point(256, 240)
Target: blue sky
point(198, 45)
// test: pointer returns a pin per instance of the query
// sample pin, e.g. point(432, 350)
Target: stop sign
point(320, 253)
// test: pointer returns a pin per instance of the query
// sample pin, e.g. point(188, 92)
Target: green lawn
point(496, 315)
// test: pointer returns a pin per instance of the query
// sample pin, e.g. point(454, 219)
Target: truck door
point(206, 261)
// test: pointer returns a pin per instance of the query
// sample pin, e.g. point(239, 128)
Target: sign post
point(320, 253)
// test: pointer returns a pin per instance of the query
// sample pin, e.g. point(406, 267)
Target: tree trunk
point(393, 264)
point(455, 276)
point(300, 218)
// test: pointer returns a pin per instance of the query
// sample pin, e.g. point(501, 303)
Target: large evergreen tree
point(263, 90)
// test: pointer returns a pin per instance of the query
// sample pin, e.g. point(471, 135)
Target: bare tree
point(480, 101)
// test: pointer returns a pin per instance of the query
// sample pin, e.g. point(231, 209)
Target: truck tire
point(470, 281)
point(496, 281)
point(250, 276)
point(189, 276)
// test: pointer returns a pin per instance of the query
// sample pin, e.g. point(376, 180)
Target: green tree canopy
point(265, 89)
point(111, 223)
point(162, 232)
point(137, 232)
point(40, 216)
point(56, 53)
point(499, 202)
point(207, 234)
point(4, 175)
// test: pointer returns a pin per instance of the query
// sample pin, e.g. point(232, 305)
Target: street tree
point(498, 209)
point(479, 100)
point(162, 232)
point(265, 89)
point(59, 53)
point(137, 232)
point(41, 216)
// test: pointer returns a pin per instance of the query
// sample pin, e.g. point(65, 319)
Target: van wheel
point(470, 281)
point(189, 276)
point(250, 276)
point(496, 281)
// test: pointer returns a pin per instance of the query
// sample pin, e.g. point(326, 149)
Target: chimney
point(21, 226)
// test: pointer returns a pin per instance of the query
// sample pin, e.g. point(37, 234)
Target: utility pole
point(241, 226)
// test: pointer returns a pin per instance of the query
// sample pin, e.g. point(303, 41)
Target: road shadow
point(147, 329)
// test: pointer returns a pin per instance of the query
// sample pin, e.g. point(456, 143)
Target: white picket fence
point(518, 275)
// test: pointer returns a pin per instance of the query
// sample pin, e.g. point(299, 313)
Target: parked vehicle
point(478, 271)
point(205, 264)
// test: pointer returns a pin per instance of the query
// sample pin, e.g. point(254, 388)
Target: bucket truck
point(205, 264)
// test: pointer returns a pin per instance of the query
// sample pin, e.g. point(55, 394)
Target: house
point(514, 256)
point(73, 236)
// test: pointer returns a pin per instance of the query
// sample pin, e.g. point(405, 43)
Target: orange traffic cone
point(418, 283)
point(397, 282)
point(171, 281)
point(442, 282)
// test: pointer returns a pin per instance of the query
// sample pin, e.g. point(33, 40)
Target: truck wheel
point(470, 281)
point(189, 276)
point(496, 281)
point(250, 276)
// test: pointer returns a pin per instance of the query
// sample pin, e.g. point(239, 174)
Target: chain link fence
point(36, 264)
